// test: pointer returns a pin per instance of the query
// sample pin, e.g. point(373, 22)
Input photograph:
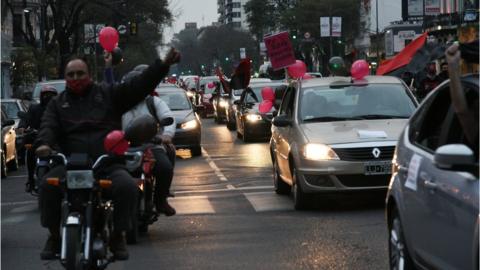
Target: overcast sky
point(203, 12)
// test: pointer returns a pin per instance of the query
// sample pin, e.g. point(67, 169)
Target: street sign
point(243, 53)
point(324, 26)
point(279, 50)
point(336, 26)
point(122, 29)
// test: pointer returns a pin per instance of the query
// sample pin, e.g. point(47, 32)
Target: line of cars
point(336, 134)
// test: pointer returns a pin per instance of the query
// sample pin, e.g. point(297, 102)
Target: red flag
point(403, 57)
point(241, 76)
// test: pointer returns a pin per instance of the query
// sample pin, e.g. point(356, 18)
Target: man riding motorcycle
point(32, 121)
point(77, 121)
point(163, 169)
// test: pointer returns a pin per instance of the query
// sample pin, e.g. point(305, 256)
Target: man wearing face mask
point(32, 121)
point(77, 121)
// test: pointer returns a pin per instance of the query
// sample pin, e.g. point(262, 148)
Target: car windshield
point(374, 101)
point(175, 101)
point(60, 86)
point(11, 109)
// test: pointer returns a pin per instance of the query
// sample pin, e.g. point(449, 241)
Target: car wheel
point(397, 249)
point(13, 164)
point(4, 165)
point(301, 200)
point(281, 187)
point(196, 151)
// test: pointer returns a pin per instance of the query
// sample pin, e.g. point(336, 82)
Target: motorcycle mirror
point(166, 121)
point(141, 130)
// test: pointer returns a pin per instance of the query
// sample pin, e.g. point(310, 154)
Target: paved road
point(228, 218)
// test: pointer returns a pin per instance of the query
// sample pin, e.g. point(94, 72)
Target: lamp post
point(376, 35)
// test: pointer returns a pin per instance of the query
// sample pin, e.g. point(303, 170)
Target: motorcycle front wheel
point(74, 248)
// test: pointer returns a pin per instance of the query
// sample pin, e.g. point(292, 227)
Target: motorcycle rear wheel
point(73, 246)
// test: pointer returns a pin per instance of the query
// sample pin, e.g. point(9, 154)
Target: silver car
point(332, 134)
point(432, 202)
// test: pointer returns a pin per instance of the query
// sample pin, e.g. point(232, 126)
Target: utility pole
point(376, 35)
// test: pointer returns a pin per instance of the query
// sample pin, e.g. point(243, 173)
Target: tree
point(259, 17)
point(64, 34)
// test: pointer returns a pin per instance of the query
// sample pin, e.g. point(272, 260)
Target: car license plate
point(378, 167)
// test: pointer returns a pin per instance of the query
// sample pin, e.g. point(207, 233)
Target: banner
point(415, 8)
point(336, 26)
point(432, 7)
point(324, 26)
point(279, 50)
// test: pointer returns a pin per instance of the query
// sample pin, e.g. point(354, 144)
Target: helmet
point(48, 89)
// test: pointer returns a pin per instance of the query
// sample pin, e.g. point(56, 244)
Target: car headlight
point(253, 117)
point(313, 151)
point(189, 124)
point(190, 94)
point(223, 103)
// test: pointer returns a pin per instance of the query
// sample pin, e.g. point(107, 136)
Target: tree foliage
point(213, 46)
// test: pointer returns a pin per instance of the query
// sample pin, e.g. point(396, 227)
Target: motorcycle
point(140, 165)
point(86, 215)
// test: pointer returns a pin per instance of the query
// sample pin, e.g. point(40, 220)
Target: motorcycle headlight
point(313, 151)
point(189, 124)
point(223, 103)
point(253, 117)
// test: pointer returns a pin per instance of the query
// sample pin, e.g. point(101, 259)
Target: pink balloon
point(108, 38)
point(307, 76)
point(265, 106)
point(210, 85)
point(297, 70)
point(268, 94)
point(359, 69)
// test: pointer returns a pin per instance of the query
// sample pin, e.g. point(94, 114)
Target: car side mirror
point(281, 121)
point(9, 122)
point(454, 157)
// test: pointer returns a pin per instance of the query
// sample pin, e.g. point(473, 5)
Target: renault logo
point(376, 152)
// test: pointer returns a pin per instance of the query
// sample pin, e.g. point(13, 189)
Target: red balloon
point(115, 142)
point(265, 106)
point(297, 70)
point(359, 69)
point(108, 38)
point(268, 94)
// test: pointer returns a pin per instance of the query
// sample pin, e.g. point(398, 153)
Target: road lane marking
point(223, 189)
point(230, 186)
point(214, 166)
point(14, 219)
point(268, 201)
point(18, 203)
point(25, 208)
point(192, 205)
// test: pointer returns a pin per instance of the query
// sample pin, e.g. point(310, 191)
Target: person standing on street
point(77, 121)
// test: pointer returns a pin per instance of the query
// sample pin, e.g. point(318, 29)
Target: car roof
point(10, 99)
point(169, 89)
point(326, 81)
point(261, 84)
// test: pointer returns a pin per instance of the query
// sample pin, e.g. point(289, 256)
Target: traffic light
point(133, 28)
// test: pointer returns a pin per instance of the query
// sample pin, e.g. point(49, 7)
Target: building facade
point(232, 12)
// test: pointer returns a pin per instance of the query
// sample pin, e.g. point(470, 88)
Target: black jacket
point(33, 117)
point(79, 124)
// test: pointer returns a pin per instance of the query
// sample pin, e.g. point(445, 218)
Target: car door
point(441, 207)
point(281, 135)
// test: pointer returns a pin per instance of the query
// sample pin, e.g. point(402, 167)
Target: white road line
point(223, 189)
point(230, 186)
point(268, 201)
point(18, 203)
point(192, 205)
point(25, 208)
point(215, 168)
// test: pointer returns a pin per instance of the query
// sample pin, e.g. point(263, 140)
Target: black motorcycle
point(87, 215)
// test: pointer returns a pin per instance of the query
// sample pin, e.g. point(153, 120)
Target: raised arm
point(126, 95)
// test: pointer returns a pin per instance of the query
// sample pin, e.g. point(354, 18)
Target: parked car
point(58, 84)
point(251, 124)
point(232, 107)
point(332, 134)
point(433, 201)
point(8, 157)
point(188, 133)
point(11, 107)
